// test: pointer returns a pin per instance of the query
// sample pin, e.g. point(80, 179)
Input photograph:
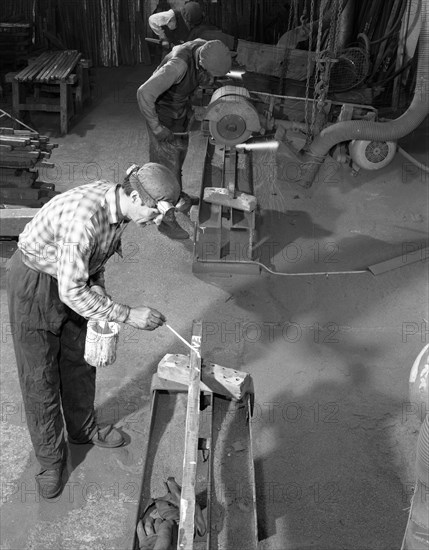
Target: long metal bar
point(187, 500)
point(181, 338)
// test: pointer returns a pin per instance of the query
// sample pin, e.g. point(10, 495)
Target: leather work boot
point(171, 229)
point(108, 437)
point(49, 483)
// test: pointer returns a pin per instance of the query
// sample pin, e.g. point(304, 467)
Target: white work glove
point(164, 135)
point(156, 534)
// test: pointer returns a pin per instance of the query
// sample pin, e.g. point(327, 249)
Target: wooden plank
point(187, 500)
point(15, 194)
point(18, 162)
point(21, 154)
point(10, 177)
point(406, 258)
point(15, 141)
point(64, 101)
point(13, 220)
point(224, 381)
point(193, 168)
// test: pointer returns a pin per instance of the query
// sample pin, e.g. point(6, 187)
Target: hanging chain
point(318, 74)
point(332, 47)
point(324, 60)
point(338, 25)
point(307, 86)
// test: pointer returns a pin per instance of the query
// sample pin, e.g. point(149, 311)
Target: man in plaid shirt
point(55, 284)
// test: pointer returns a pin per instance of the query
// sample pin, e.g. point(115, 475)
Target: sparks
point(236, 74)
point(262, 145)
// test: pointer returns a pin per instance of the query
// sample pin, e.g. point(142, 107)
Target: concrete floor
point(334, 432)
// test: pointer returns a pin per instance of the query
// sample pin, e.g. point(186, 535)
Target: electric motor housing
point(230, 117)
point(372, 155)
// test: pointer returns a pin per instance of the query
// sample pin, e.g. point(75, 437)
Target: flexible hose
point(414, 161)
point(392, 31)
point(395, 74)
point(374, 131)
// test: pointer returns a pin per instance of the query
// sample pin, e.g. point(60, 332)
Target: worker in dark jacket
point(173, 26)
point(55, 284)
point(165, 102)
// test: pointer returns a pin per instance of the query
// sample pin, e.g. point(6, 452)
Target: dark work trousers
point(171, 155)
point(49, 342)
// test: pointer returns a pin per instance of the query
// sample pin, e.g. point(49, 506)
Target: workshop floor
point(334, 432)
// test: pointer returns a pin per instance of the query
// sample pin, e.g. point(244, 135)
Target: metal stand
point(215, 436)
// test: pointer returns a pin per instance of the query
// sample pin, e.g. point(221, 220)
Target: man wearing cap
point(165, 102)
point(55, 283)
point(173, 26)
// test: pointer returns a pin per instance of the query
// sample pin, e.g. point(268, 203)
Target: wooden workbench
point(53, 82)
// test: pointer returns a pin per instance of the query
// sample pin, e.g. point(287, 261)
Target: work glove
point(172, 497)
point(165, 135)
point(156, 534)
point(162, 516)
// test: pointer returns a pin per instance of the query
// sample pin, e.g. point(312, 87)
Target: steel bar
point(187, 499)
point(57, 60)
point(27, 73)
point(181, 338)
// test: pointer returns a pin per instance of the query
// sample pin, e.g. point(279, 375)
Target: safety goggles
point(162, 206)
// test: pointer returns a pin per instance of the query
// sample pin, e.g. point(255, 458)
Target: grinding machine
point(225, 221)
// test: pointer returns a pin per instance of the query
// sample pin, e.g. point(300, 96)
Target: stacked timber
point(50, 66)
point(22, 152)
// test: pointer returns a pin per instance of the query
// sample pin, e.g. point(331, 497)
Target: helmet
point(192, 14)
point(154, 182)
point(215, 58)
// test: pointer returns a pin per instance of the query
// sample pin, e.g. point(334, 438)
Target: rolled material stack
point(22, 152)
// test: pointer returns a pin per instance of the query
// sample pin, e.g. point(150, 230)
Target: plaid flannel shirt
point(71, 238)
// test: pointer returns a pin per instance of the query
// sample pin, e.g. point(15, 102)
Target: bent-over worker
point(55, 284)
point(165, 102)
point(173, 26)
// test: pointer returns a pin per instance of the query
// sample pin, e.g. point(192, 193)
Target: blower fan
point(372, 155)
